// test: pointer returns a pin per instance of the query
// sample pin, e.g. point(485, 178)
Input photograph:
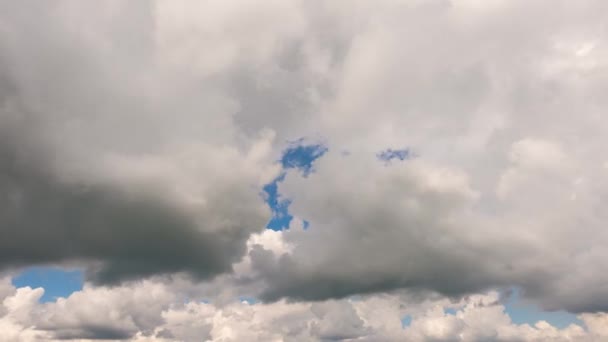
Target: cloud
point(418, 225)
point(507, 185)
point(410, 211)
point(94, 176)
point(132, 232)
point(149, 311)
point(136, 140)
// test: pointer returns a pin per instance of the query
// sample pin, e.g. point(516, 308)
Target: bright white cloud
point(151, 312)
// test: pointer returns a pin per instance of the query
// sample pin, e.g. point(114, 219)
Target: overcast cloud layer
point(465, 156)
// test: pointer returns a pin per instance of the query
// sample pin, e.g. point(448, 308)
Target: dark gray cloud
point(133, 234)
point(93, 333)
point(85, 113)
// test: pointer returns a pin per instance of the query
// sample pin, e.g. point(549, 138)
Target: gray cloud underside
point(65, 110)
point(133, 234)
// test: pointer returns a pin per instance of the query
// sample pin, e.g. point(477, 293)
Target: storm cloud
point(133, 232)
point(86, 176)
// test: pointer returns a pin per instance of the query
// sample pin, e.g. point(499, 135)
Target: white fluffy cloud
point(151, 311)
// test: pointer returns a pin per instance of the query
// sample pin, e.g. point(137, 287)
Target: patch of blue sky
point(527, 313)
point(57, 282)
point(450, 311)
point(298, 156)
point(406, 321)
point(305, 224)
point(279, 206)
point(390, 154)
point(301, 157)
point(248, 300)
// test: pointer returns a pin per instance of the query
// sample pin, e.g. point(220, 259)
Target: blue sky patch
point(280, 206)
point(450, 311)
point(522, 313)
point(301, 157)
point(406, 321)
point(248, 300)
point(390, 154)
point(57, 282)
point(296, 156)
point(305, 224)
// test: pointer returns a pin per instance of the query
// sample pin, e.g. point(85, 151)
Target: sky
point(392, 170)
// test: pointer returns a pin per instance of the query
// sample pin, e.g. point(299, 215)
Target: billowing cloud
point(150, 312)
point(459, 145)
point(506, 182)
point(131, 232)
point(414, 224)
point(93, 175)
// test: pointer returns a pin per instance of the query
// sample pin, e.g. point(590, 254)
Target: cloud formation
point(463, 153)
point(101, 183)
point(149, 312)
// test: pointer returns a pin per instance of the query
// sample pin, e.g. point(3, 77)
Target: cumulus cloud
point(150, 311)
point(101, 182)
point(414, 224)
point(133, 230)
point(463, 153)
point(408, 211)
point(506, 185)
